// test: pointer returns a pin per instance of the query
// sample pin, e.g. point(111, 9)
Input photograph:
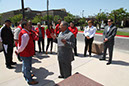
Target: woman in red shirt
point(49, 31)
point(74, 30)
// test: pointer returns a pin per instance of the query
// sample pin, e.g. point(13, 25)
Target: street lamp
point(23, 13)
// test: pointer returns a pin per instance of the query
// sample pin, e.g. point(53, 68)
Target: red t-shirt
point(48, 32)
point(57, 29)
point(74, 30)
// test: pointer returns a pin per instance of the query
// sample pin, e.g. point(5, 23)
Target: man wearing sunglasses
point(108, 37)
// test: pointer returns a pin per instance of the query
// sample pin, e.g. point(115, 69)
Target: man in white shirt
point(16, 34)
point(89, 33)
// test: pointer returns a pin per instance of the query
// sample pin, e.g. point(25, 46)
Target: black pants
point(48, 42)
point(8, 55)
point(39, 43)
point(75, 49)
point(65, 69)
point(88, 42)
point(110, 48)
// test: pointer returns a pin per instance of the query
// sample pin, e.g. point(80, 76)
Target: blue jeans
point(26, 68)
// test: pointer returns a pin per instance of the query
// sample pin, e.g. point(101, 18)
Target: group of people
point(64, 35)
point(108, 39)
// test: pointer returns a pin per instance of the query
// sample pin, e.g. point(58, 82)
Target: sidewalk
point(45, 68)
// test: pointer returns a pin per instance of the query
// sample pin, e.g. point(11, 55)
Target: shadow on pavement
point(120, 63)
point(115, 62)
point(41, 56)
point(53, 53)
point(41, 74)
point(94, 56)
point(80, 55)
point(18, 68)
point(35, 61)
point(97, 56)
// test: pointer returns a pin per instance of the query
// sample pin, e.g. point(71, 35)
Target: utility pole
point(23, 13)
point(48, 13)
point(115, 17)
point(82, 13)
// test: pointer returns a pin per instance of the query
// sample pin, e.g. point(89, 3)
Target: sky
point(90, 7)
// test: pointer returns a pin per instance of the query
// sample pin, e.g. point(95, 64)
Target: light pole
point(48, 13)
point(82, 13)
point(115, 17)
point(23, 13)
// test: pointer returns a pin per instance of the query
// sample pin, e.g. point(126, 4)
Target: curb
point(102, 34)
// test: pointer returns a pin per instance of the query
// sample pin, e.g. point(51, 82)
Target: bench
point(97, 47)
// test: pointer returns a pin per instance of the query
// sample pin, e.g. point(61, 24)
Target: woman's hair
point(50, 24)
point(23, 23)
point(90, 21)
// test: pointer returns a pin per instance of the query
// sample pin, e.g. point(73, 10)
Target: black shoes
point(108, 63)
point(9, 67)
point(102, 59)
point(85, 55)
point(13, 63)
point(60, 76)
point(39, 52)
point(76, 55)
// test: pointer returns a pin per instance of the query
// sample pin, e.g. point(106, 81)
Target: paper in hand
point(5, 47)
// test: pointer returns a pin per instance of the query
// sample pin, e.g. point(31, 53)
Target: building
point(61, 12)
point(30, 14)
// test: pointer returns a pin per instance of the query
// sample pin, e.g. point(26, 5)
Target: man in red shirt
point(26, 51)
point(57, 31)
point(74, 30)
point(41, 32)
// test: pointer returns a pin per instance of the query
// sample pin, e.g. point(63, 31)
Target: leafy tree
point(37, 19)
point(15, 19)
point(0, 18)
point(50, 17)
point(82, 21)
point(56, 17)
point(119, 15)
point(101, 16)
point(69, 18)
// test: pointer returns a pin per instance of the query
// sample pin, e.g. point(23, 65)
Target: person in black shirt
point(8, 41)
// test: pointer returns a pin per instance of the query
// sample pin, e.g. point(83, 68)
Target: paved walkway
point(45, 68)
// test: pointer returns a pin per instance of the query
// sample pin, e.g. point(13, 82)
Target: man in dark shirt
point(8, 41)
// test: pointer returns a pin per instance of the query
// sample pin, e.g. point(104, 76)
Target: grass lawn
point(118, 32)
